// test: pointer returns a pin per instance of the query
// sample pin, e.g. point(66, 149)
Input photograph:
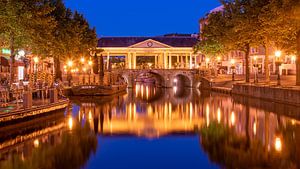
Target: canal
point(149, 127)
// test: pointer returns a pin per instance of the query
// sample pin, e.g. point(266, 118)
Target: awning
point(4, 61)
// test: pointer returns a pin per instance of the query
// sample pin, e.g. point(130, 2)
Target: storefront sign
point(6, 51)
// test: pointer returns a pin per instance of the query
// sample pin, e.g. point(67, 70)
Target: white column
point(129, 60)
point(165, 61)
point(186, 61)
point(161, 61)
point(126, 61)
point(107, 60)
point(191, 61)
point(134, 60)
point(155, 61)
point(170, 60)
point(182, 61)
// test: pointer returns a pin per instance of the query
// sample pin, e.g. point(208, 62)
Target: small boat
point(97, 90)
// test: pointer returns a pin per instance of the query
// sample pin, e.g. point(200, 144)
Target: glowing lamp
point(232, 61)
point(278, 53)
point(278, 144)
point(82, 60)
point(35, 59)
point(70, 63)
point(90, 62)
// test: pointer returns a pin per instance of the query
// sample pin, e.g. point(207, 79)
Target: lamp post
point(233, 68)
point(278, 62)
point(90, 63)
point(36, 61)
point(82, 61)
point(69, 75)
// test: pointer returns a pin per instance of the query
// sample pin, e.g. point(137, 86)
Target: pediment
point(150, 43)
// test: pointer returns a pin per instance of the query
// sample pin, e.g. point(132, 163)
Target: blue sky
point(143, 17)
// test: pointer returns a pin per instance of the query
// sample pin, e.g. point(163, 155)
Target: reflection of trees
point(231, 150)
point(73, 152)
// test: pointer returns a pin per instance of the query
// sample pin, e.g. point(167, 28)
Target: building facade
point(160, 52)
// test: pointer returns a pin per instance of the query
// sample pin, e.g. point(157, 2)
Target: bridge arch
point(150, 77)
point(163, 78)
point(182, 80)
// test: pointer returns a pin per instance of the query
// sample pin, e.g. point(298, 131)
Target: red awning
point(4, 61)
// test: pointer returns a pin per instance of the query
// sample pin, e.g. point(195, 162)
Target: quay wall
point(272, 93)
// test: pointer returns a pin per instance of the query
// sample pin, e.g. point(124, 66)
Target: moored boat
point(97, 90)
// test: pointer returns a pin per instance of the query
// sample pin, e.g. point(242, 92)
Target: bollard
point(53, 95)
point(27, 100)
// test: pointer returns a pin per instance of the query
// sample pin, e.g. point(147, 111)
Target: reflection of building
point(165, 52)
point(257, 57)
point(24, 144)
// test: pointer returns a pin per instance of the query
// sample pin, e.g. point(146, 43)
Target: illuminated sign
point(6, 51)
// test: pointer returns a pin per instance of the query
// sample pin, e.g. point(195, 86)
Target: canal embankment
point(28, 106)
point(272, 92)
point(281, 94)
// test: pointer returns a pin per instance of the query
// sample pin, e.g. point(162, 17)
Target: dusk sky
point(143, 17)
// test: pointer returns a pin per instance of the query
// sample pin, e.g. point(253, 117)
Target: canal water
point(148, 127)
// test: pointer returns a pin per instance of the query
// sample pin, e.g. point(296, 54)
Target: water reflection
point(63, 144)
point(153, 113)
point(235, 132)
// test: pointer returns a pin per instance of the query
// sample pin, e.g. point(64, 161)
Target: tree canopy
point(249, 23)
point(45, 28)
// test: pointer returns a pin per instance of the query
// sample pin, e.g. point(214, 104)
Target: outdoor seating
point(4, 96)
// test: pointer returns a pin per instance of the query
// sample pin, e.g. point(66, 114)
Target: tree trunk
point(58, 73)
point(247, 63)
point(267, 71)
point(298, 60)
point(12, 62)
point(101, 70)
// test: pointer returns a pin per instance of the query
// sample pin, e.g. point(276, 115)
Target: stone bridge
point(164, 77)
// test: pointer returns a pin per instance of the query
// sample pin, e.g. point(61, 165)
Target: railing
point(17, 95)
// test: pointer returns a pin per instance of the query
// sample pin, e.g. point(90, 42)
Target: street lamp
point(69, 75)
point(293, 59)
point(233, 68)
point(278, 144)
point(278, 63)
point(90, 63)
point(82, 60)
point(207, 62)
point(36, 61)
point(70, 63)
point(83, 70)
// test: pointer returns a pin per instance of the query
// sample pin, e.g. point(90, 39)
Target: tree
point(73, 36)
point(234, 27)
point(23, 24)
point(274, 29)
point(290, 13)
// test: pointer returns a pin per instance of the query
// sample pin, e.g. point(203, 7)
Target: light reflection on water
point(152, 119)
